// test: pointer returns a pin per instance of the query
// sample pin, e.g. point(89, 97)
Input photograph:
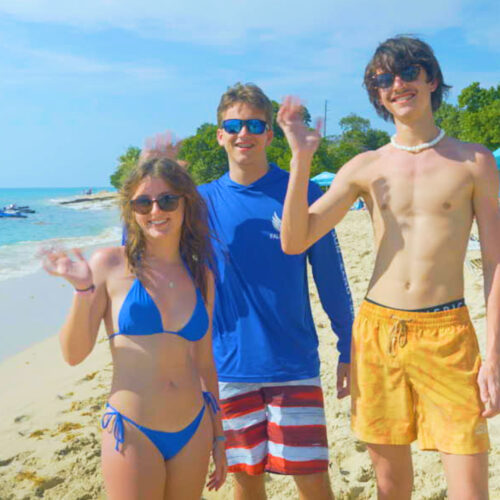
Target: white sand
point(50, 412)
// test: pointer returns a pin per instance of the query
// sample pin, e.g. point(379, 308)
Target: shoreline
point(103, 195)
point(93, 222)
point(50, 412)
point(35, 304)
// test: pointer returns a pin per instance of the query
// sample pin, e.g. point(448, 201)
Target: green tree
point(205, 158)
point(476, 117)
point(322, 159)
point(448, 117)
point(354, 123)
point(473, 98)
point(483, 126)
point(279, 152)
point(126, 163)
point(357, 137)
point(375, 139)
point(480, 121)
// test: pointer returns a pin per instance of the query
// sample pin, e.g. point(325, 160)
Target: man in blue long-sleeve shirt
point(265, 342)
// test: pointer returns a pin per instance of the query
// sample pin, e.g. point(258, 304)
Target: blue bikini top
point(139, 315)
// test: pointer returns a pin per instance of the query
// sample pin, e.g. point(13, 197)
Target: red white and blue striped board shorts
point(275, 427)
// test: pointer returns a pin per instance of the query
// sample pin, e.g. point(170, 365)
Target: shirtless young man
point(416, 372)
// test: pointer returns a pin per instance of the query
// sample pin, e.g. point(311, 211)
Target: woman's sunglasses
point(408, 74)
point(254, 126)
point(144, 204)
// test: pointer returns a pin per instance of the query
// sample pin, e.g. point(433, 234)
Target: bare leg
point(393, 469)
point(248, 487)
point(467, 476)
point(186, 473)
point(314, 486)
point(137, 471)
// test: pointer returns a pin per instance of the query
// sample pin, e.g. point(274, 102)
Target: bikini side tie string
point(118, 429)
point(211, 402)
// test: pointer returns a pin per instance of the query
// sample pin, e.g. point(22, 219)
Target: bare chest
point(416, 188)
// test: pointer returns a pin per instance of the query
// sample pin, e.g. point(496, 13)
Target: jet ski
point(13, 208)
point(17, 215)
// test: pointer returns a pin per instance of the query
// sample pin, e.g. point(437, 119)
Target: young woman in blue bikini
point(155, 295)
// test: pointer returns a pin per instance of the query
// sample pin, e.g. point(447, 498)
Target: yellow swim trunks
point(414, 376)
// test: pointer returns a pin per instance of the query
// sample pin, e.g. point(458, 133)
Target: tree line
point(475, 118)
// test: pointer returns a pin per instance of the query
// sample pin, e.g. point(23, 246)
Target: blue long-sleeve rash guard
point(263, 327)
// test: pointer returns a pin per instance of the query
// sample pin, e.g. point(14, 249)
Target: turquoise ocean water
point(80, 225)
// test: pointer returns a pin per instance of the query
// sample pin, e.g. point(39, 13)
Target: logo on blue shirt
point(276, 222)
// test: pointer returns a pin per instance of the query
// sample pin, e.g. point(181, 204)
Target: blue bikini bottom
point(167, 443)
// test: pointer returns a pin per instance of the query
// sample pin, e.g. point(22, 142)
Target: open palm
point(162, 145)
point(291, 119)
point(59, 263)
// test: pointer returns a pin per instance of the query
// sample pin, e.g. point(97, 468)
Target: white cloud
point(300, 42)
point(228, 24)
point(485, 34)
point(320, 46)
point(27, 64)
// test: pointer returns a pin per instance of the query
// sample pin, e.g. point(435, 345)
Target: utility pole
point(324, 119)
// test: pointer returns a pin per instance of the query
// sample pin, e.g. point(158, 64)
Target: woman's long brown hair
point(195, 244)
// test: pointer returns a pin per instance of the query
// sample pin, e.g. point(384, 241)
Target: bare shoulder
point(483, 157)
point(108, 258)
point(469, 153)
point(368, 157)
point(357, 169)
point(363, 160)
point(476, 158)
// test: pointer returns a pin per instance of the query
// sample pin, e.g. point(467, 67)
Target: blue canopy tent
point(496, 154)
point(323, 179)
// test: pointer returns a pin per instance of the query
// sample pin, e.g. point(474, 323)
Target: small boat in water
point(11, 214)
point(16, 209)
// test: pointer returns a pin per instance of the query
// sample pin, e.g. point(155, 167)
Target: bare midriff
point(163, 389)
point(422, 215)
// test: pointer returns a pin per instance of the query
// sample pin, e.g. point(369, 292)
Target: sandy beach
point(50, 412)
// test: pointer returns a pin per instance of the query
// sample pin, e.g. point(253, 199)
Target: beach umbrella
point(496, 154)
point(324, 178)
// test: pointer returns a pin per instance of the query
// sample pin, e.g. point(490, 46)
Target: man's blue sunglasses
point(254, 126)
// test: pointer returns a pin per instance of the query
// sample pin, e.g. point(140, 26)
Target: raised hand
point(301, 139)
point(57, 262)
point(162, 145)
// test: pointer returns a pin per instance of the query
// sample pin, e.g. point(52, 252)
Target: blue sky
point(79, 83)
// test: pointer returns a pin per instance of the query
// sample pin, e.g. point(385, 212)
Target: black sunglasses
point(144, 204)
point(254, 126)
point(408, 74)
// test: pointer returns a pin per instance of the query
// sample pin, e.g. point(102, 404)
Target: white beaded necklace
point(418, 147)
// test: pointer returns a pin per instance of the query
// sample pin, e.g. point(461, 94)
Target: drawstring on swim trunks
point(398, 334)
point(118, 430)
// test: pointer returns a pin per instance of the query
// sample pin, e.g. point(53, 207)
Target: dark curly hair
point(195, 244)
point(395, 54)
